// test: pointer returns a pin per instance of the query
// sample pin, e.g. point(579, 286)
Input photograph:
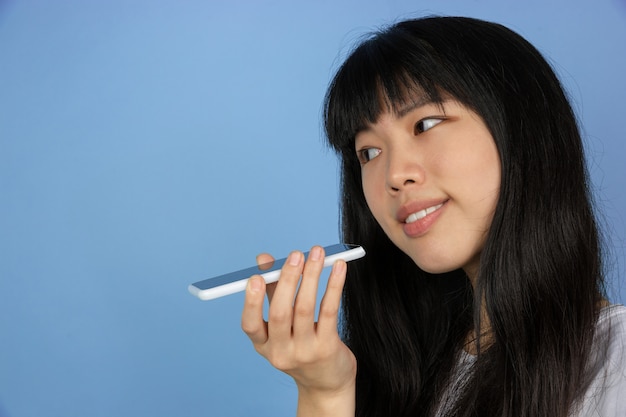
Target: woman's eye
point(366, 155)
point(426, 124)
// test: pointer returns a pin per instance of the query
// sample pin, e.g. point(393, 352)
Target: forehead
point(368, 86)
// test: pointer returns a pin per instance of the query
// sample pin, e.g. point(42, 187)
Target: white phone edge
point(269, 277)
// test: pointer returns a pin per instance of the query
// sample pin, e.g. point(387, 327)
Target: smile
point(422, 213)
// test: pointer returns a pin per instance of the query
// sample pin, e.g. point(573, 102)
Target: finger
point(281, 310)
point(252, 321)
point(269, 289)
point(266, 261)
point(306, 299)
point(329, 307)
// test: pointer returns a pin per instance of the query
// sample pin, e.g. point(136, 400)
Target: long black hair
point(540, 278)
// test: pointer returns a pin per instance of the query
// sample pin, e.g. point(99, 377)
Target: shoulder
point(605, 395)
point(611, 334)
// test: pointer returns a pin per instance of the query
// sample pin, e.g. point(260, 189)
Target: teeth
point(422, 213)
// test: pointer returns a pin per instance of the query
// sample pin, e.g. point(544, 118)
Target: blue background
point(148, 144)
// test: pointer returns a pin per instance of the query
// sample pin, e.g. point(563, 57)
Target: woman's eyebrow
point(412, 105)
point(400, 111)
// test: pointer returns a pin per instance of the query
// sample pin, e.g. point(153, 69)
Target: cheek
point(372, 190)
point(487, 187)
point(491, 176)
point(477, 167)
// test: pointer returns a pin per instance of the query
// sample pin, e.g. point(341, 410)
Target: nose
point(403, 170)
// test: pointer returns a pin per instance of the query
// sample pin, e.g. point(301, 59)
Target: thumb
point(264, 261)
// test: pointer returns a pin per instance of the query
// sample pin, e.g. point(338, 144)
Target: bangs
point(380, 76)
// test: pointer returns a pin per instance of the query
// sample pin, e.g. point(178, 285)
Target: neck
point(477, 339)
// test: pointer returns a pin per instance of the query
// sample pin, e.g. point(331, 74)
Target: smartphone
point(236, 281)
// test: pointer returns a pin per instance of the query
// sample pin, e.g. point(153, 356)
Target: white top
point(606, 395)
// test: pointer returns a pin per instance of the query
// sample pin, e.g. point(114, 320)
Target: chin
point(438, 271)
point(435, 267)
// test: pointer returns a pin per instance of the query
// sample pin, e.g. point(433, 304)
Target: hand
point(310, 352)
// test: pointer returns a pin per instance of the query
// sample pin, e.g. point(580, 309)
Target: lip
point(420, 227)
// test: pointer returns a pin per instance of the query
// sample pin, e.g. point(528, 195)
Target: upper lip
point(414, 206)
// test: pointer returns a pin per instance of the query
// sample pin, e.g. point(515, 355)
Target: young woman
point(481, 293)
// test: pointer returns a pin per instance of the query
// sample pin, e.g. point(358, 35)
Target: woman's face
point(431, 177)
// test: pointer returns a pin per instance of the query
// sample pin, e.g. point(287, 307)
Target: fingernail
point(316, 253)
point(294, 258)
point(339, 267)
point(254, 284)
